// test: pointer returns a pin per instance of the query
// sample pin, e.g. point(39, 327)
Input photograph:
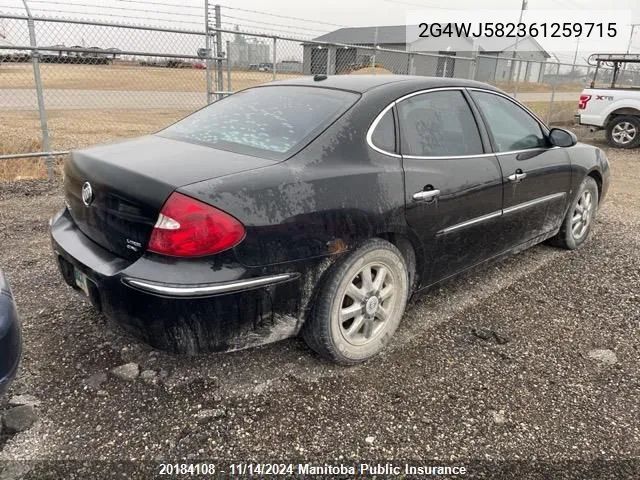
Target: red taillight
point(584, 99)
point(189, 228)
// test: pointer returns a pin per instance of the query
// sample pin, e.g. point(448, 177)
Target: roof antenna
point(319, 77)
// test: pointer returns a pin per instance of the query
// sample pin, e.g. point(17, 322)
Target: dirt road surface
point(529, 398)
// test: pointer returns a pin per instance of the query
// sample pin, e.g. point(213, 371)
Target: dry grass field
point(529, 87)
point(20, 129)
point(124, 77)
point(561, 114)
point(20, 132)
point(127, 76)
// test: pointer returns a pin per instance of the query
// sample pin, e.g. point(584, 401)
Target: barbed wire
point(246, 10)
point(106, 7)
point(88, 15)
point(286, 17)
point(252, 30)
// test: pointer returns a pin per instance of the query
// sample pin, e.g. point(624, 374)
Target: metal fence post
point(274, 57)
point(208, 52)
point(473, 69)
point(553, 94)
point(229, 66)
point(35, 55)
point(219, 70)
point(515, 85)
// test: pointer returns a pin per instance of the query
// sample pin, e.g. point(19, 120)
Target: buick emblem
point(87, 194)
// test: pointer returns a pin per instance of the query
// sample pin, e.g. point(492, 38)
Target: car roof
point(364, 83)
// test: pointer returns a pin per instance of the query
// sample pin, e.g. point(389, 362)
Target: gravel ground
point(492, 370)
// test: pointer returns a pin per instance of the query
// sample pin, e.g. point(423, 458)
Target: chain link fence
point(71, 83)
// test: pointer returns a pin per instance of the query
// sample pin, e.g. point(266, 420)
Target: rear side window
point(384, 135)
point(438, 124)
point(268, 121)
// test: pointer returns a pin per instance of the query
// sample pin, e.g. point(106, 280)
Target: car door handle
point(426, 195)
point(517, 177)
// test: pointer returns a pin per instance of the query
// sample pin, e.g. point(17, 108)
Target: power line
point(85, 15)
point(126, 9)
point(246, 10)
point(270, 24)
point(575, 5)
point(286, 17)
point(163, 4)
point(421, 5)
point(249, 29)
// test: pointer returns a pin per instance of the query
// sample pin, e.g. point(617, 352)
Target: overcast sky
point(325, 15)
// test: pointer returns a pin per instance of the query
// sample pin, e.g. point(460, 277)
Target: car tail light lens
point(189, 228)
point(584, 99)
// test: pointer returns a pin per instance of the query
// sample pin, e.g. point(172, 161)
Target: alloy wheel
point(624, 133)
point(582, 215)
point(367, 302)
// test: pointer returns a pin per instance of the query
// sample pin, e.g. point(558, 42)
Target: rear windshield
point(272, 122)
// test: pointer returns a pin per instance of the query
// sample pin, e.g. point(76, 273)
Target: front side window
point(384, 135)
point(272, 122)
point(438, 124)
point(511, 126)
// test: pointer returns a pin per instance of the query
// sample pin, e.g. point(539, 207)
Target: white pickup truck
point(615, 108)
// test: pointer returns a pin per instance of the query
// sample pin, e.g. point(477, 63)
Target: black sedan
point(316, 206)
point(9, 335)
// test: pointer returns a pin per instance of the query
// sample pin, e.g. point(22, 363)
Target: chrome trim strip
point(468, 223)
point(373, 127)
point(428, 90)
point(391, 105)
point(187, 291)
point(497, 213)
point(437, 89)
point(454, 157)
point(531, 203)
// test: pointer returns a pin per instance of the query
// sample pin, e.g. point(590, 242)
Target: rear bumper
point(10, 337)
point(184, 306)
point(595, 121)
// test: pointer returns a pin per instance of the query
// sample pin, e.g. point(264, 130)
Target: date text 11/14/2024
point(275, 469)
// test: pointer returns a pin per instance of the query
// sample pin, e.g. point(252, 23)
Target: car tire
point(624, 132)
point(578, 223)
point(359, 305)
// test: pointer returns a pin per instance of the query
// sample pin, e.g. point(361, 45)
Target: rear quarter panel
point(329, 197)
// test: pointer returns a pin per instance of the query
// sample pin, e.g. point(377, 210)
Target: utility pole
point(515, 47)
point(575, 57)
point(633, 29)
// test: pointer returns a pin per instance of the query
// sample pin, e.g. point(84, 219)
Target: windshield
point(273, 122)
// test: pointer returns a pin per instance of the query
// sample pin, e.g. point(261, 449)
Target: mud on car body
point(315, 206)
point(10, 341)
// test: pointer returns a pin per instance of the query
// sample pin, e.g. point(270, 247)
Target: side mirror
point(559, 137)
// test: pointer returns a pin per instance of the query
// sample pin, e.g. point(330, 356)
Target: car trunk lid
point(125, 185)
